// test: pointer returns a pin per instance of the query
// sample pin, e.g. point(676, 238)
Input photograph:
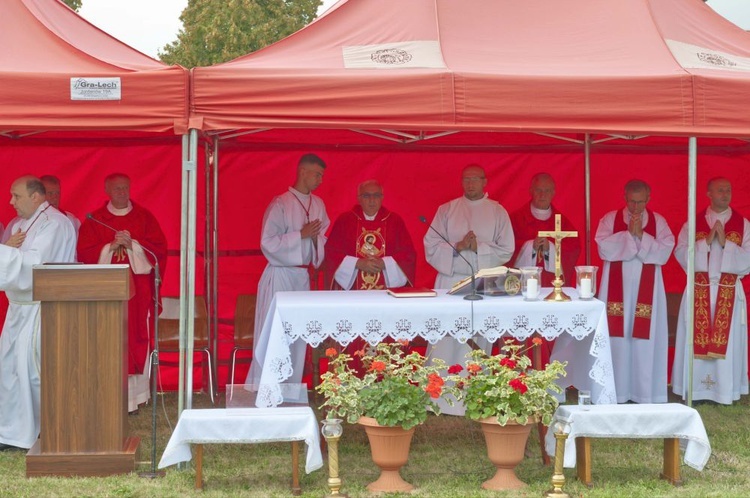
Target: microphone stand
point(473, 296)
point(154, 354)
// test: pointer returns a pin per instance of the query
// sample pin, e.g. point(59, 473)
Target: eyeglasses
point(371, 196)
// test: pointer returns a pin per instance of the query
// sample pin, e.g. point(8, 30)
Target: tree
point(220, 30)
point(73, 4)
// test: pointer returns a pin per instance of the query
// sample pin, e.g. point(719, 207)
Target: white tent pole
point(587, 182)
point(690, 315)
point(187, 271)
point(215, 248)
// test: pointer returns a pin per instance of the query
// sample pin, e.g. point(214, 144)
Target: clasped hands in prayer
point(16, 239)
point(468, 242)
point(370, 265)
point(122, 239)
point(635, 226)
point(541, 245)
point(717, 231)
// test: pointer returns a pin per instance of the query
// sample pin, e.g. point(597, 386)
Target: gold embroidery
point(734, 237)
point(615, 309)
point(643, 311)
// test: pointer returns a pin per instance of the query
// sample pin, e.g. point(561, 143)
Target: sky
point(149, 25)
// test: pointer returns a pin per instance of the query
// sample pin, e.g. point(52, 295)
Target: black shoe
point(8, 447)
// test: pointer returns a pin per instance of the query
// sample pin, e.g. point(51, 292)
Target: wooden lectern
point(84, 392)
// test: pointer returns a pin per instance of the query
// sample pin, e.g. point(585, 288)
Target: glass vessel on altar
point(531, 282)
point(586, 281)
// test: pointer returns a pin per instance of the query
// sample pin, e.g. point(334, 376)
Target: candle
point(532, 288)
point(586, 288)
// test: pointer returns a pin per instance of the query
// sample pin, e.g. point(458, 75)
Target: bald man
point(43, 235)
point(479, 228)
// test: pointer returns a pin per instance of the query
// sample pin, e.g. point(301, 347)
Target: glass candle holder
point(586, 281)
point(531, 282)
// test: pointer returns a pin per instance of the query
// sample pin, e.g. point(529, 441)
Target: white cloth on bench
point(244, 425)
point(666, 420)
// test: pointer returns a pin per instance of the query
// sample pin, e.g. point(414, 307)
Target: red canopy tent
point(411, 92)
point(79, 104)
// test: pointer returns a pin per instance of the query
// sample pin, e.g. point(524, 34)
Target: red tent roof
point(640, 66)
point(47, 47)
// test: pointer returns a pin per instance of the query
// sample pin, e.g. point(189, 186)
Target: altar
point(579, 328)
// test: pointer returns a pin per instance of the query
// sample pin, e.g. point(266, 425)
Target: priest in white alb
point(293, 241)
point(479, 228)
point(43, 235)
point(722, 258)
point(634, 243)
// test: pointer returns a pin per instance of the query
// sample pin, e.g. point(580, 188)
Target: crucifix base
point(557, 295)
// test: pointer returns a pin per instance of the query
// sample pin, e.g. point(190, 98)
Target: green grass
point(447, 459)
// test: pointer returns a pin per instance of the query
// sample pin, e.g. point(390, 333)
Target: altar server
point(293, 241)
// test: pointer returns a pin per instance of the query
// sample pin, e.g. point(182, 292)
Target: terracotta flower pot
point(390, 451)
point(505, 448)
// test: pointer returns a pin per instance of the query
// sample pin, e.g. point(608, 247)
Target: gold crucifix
point(557, 294)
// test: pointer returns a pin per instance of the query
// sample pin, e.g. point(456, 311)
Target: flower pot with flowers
point(506, 396)
point(390, 399)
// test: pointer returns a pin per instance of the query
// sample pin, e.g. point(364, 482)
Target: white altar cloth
point(667, 420)
point(244, 425)
point(579, 327)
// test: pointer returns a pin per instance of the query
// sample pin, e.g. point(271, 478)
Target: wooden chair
point(169, 334)
point(244, 325)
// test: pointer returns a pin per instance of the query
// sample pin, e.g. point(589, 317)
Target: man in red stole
point(634, 243)
point(134, 232)
point(369, 247)
point(532, 250)
point(722, 258)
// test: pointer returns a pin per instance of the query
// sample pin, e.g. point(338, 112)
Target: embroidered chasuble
point(643, 307)
point(353, 235)
point(143, 228)
point(710, 339)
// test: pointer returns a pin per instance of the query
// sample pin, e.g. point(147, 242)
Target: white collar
point(541, 214)
point(119, 212)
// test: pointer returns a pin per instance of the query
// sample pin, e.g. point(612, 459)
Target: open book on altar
point(491, 281)
point(412, 292)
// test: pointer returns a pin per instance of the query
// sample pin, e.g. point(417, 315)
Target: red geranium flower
point(507, 362)
point(331, 352)
point(377, 366)
point(474, 368)
point(537, 341)
point(518, 385)
point(454, 369)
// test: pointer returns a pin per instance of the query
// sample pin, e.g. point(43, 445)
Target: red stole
point(643, 305)
point(710, 340)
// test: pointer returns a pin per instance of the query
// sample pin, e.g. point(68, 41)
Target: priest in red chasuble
point(722, 258)
point(532, 250)
point(134, 232)
point(634, 243)
point(369, 247)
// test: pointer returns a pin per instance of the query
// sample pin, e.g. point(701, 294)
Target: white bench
point(245, 425)
point(680, 426)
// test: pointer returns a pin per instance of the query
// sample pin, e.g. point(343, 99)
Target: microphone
point(149, 251)
point(469, 297)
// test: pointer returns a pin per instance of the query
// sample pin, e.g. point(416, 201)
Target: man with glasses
point(369, 247)
point(479, 228)
point(634, 243)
